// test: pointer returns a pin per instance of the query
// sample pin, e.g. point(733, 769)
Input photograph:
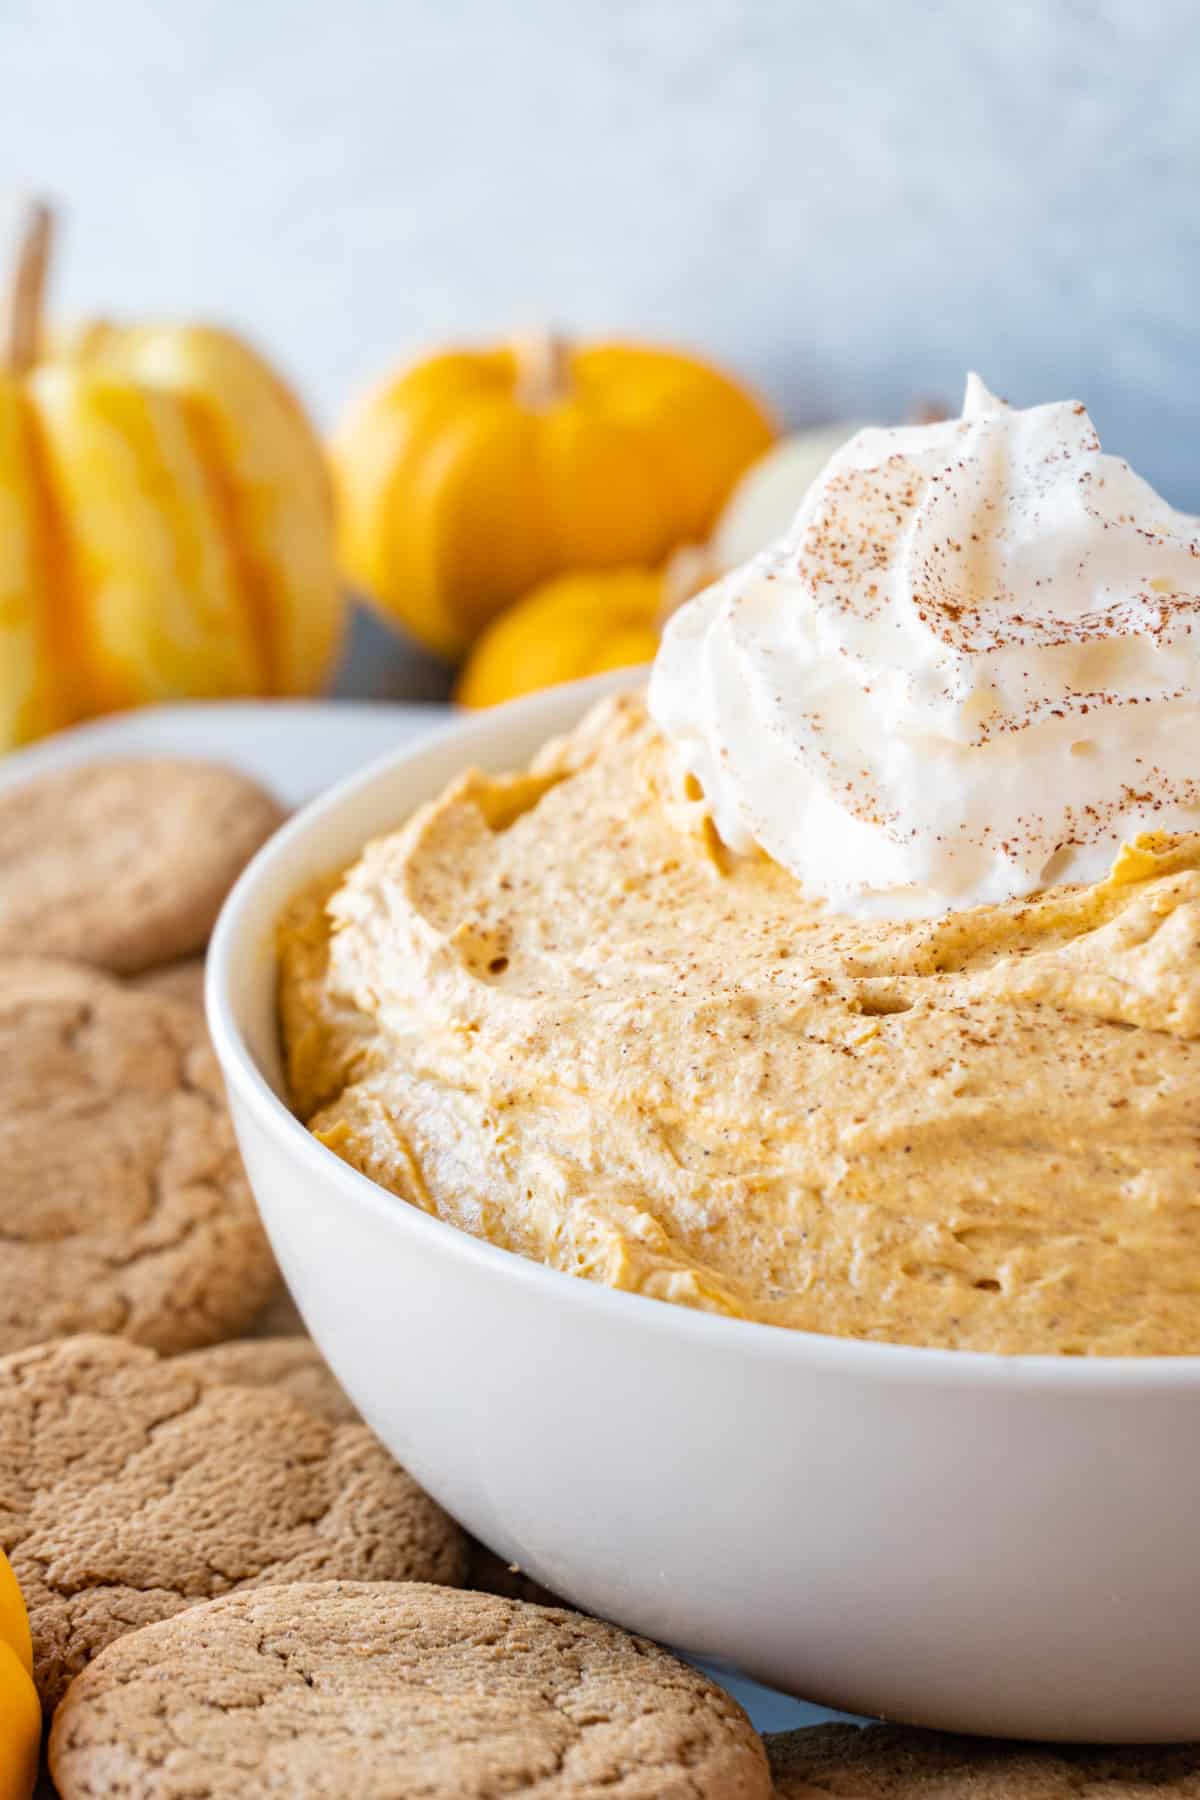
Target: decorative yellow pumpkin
point(166, 525)
point(470, 478)
point(20, 1713)
point(577, 625)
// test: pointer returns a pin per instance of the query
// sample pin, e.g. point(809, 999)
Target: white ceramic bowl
point(988, 1544)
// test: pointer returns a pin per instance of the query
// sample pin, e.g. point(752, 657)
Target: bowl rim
point(805, 1350)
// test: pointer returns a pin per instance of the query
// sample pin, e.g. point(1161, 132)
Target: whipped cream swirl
point(971, 669)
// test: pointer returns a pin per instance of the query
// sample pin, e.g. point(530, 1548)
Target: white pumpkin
point(766, 499)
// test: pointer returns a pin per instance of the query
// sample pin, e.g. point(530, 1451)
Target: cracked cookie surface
point(892, 1762)
point(292, 1364)
point(124, 1205)
point(124, 864)
point(375, 1690)
point(295, 1365)
point(129, 1491)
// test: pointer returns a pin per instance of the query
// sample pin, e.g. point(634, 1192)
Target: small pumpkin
point(20, 1713)
point(470, 478)
point(166, 526)
point(577, 625)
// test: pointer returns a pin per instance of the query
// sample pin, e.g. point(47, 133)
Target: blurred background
point(845, 205)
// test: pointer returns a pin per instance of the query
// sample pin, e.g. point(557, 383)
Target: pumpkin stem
point(21, 319)
point(543, 369)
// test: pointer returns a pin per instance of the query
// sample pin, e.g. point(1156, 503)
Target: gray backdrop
point(851, 201)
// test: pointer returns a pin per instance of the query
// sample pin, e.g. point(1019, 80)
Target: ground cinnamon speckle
point(975, 1132)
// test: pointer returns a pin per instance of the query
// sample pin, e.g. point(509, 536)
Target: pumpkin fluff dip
point(849, 980)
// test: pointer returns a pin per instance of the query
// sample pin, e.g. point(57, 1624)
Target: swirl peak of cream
point(970, 670)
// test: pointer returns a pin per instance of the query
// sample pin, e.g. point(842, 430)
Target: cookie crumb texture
point(388, 1693)
point(892, 1762)
point(129, 1490)
point(124, 865)
point(292, 1364)
point(124, 1206)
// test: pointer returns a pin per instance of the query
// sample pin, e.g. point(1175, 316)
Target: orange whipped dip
point(555, 1009)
